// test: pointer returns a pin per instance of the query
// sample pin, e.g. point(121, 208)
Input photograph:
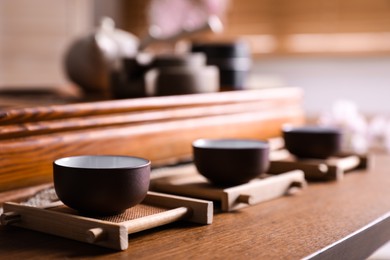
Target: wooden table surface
point(347, 219)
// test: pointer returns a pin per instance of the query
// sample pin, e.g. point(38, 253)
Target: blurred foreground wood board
point(158, 128)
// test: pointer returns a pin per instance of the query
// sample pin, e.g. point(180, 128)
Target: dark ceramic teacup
point(186, 80)
point(180, 74)
point(312, 141)
point(101, 184)
point(228, 162)
point(189, 60)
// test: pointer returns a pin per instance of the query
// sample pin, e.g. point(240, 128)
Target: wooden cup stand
point(186, 181)
point(157, 209)
point(329, 169)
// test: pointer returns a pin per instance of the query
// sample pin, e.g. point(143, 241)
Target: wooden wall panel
point(34, 36)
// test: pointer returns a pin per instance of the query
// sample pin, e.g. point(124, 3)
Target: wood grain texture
point(162, 135)
point(137, 117)
point(43, 113)
point(324, 216)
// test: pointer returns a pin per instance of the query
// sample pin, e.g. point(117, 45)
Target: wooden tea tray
point(158, 128)
point(333, 168)
point(112, 232)
point(186, 181)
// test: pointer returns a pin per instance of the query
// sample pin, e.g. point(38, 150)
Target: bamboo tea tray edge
point(333, 168)
point(106, 233)
point(186, 181)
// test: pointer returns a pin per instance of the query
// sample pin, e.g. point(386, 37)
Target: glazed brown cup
point(229, 162)
point(185, 80)
point(101, 184)
point(312, 141)
point(189, 60)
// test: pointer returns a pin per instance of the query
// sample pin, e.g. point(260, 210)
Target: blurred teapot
point(90, 60)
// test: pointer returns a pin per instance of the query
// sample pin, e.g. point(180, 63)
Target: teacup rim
point(256, 144)
point(57, 162)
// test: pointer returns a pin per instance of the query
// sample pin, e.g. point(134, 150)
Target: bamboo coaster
point(330, 169)
point(186, 181)
point(157, 209)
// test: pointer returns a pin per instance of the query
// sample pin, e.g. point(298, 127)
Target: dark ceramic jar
point(233, 60)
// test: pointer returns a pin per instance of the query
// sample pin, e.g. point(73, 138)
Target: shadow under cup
point(101, 184)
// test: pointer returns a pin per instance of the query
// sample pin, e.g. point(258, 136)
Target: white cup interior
point(229, 144)
point(101, 162)
point(311, 129)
